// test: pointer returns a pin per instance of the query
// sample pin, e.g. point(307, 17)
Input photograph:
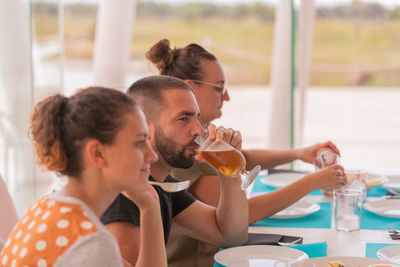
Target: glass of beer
point(227, 160)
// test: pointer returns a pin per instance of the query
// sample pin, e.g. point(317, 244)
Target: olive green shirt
point(183, 250)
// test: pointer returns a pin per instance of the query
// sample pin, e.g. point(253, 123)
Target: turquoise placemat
point(320, 219)
point(371, 221)
point(377, 192)
point(313, 250)
point(372, 248)
point(261, 187)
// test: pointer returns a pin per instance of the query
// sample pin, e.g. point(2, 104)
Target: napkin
point(271, 239)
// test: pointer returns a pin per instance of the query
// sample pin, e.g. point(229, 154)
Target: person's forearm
point(268, 159)
point(152, 248)
point(265, 205)
point(232, 212)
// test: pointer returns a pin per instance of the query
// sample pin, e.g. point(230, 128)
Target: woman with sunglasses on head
point(202, 71)
point(98, 139)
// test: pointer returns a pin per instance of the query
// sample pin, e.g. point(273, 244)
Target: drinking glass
point(357, 179)
point(360, 175)
point(347, 204)
point(227, 160)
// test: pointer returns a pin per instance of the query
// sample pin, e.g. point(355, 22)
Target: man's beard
point(168, 149)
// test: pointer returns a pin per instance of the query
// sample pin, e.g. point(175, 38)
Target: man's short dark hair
point(148, 92)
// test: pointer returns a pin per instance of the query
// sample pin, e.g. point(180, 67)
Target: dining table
point(320, 238)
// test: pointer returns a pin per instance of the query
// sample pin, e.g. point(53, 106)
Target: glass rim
point(347, 192)
point(353, 171)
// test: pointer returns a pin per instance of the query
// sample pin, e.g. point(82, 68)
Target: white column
point(7, 209)
point(304, 52)
point(281, 78)
point(115, 20)
point(16, 100)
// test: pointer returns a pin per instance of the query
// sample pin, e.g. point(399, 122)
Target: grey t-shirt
point(96, 249)
point(60, 231)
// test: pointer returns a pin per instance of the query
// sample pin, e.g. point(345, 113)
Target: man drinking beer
point(173, 117)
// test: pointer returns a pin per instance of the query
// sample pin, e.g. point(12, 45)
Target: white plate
point(384, 207)
point(262, 254)
point(350, 261)
point(281, 179)
point(390, 254)
point(297, 210)
point(375, 180)
point(392, 183)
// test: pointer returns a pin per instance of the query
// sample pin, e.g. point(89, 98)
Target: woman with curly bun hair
point(98, 139)
point(197, 67)
point(202, 71)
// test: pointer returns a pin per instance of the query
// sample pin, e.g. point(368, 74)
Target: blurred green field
point(345, 51)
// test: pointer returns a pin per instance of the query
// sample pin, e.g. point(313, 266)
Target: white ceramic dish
point(258, 254)
point(350, 261)
point(390, 254)
point(375, 180)
point(281, 179)
point(297, 210)
point(392, 183)
point(389, 208)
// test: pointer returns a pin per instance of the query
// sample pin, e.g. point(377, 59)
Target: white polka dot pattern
point(41, 245)
point(86, 225)
point(4, 260)
point(15, 249)
point(62, 224)
point(62, 241)
point(30, 226)
point(45, 232)
point(26, 238)
point(34, 206)
point(42, 263)
point(51, 203)
point(18, 235)
point(42, 228)
point(23, 252)
point(46, 215)
point(37, 212)
point(65, 209)
point(7, 243)
point(25, 219)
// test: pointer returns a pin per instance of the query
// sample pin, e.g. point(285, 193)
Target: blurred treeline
point(203, 10)
point(356, 44)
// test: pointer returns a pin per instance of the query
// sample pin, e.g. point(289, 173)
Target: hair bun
point(161, 55)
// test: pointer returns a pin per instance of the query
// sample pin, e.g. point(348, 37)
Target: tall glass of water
point(347, 204)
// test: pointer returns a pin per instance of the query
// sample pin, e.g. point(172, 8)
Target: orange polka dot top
point(60, 231)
